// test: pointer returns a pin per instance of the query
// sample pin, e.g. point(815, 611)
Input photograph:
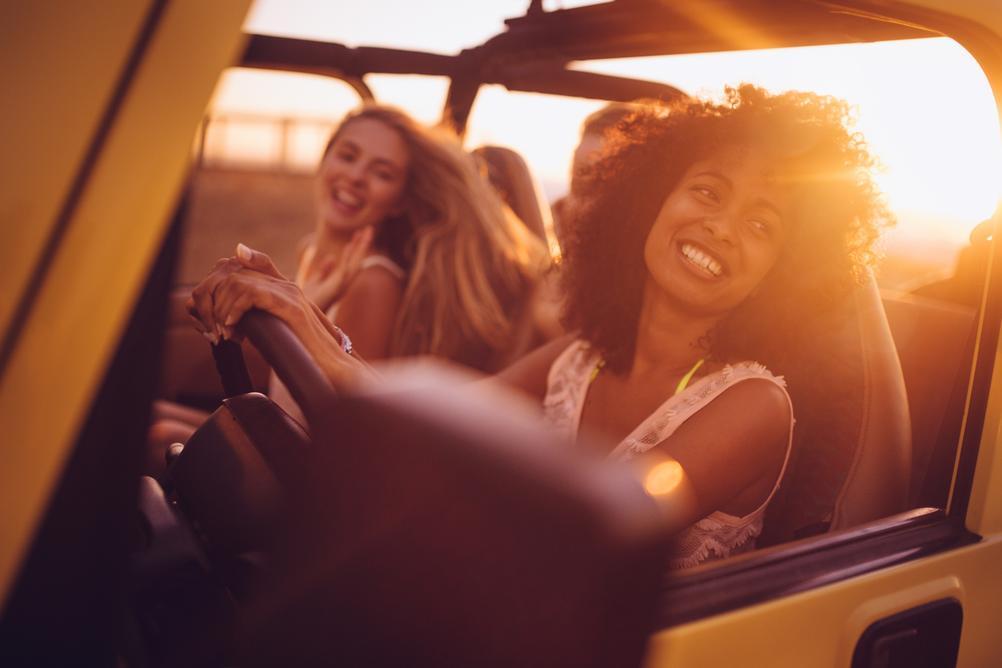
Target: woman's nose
point(720, 226)
point(358, 175)
point(355, 173)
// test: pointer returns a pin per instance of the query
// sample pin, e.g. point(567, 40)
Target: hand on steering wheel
point(237, 284)
point(251, 281)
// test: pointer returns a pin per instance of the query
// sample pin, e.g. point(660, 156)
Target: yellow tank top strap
point(684, 383)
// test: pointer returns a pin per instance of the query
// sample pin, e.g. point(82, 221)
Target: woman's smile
point(346, 201)
point(700, 260)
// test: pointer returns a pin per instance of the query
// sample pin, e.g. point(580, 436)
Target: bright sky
point(924, 105)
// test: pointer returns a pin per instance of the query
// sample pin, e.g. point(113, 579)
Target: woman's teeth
point(347, 198)
point(701, 260)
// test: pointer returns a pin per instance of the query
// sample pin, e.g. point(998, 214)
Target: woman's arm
point(251, 280)
point(366, 313)
point(730, 454)
point(529, 374)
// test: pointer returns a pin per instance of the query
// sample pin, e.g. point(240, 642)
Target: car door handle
point(926, 636)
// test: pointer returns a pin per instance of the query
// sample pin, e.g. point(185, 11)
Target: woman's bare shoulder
point(759, 399)
point(368, 310)
point(374, 281)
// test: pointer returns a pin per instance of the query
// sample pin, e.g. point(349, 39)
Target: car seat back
point(935, 341)
point(851, 461)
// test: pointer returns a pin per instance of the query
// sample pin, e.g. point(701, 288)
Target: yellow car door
point(102, 103)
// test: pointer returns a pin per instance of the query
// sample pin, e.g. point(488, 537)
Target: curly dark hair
point(836, 215)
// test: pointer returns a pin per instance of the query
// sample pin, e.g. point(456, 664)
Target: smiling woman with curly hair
point(709, 231)
point(833, 215)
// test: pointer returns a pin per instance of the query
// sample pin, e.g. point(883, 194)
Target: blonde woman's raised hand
point(335, 275)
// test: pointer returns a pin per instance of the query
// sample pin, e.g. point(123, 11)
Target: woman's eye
point(760, 226)
point(706, 193)
point(384, 175)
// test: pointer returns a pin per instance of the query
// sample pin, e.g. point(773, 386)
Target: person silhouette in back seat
point(595, 129)
point(509, 175)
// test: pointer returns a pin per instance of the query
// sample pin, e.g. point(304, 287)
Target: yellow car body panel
point(72, 327)
point(820, 627)
point(62, 91)
point(984, 512)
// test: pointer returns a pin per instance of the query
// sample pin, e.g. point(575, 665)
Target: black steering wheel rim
point(286, 355)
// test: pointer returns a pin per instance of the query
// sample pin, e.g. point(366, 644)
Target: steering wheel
point(233, 477)
point(286, 355)
point(214, 520)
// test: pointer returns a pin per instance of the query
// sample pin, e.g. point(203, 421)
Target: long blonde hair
point(471, 267)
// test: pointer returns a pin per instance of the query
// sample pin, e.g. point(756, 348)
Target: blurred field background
point(267, 210)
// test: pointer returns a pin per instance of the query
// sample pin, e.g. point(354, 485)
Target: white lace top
point(715, 536)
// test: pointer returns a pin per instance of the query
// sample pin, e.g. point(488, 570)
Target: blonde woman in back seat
point(454, 267)
point(411, 255)
point(713, 232)
point(447, 272)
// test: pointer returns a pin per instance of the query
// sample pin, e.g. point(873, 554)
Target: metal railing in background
point(262, 142)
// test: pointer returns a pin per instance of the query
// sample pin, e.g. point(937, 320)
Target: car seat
point(935, 341)
point(851, 459)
